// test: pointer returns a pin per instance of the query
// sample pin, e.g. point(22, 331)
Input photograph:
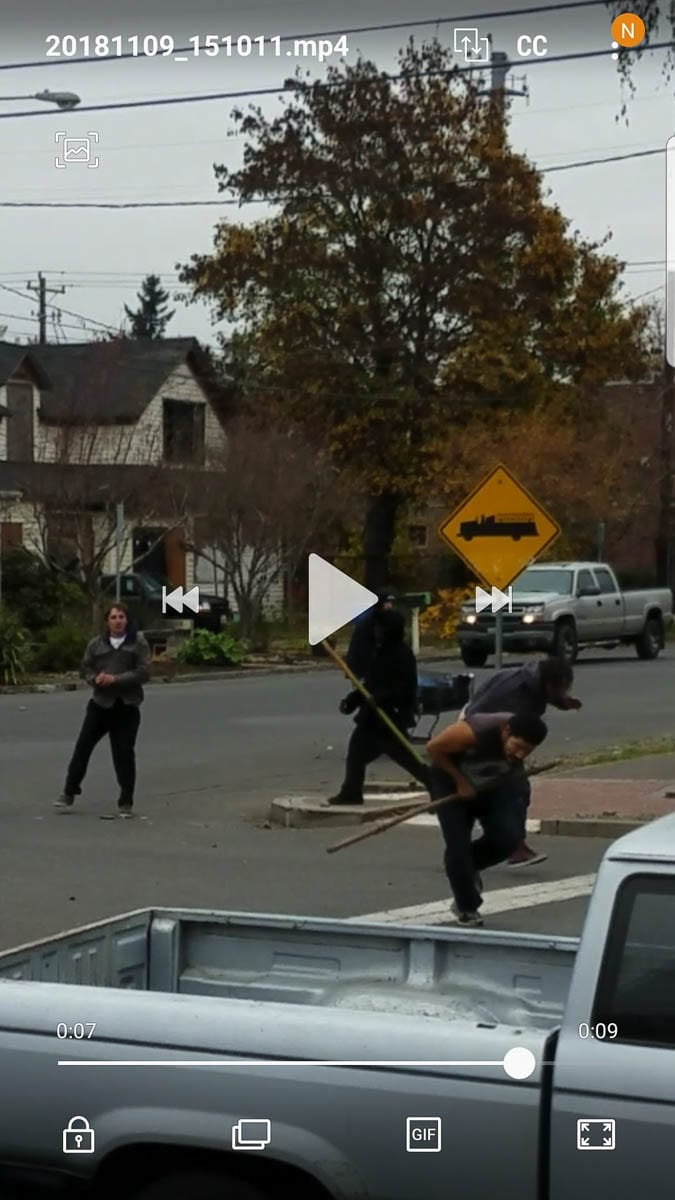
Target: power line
point(57, 308)
point(135, 204)
point(325, 33)
point(593, 162)
point(293, 86)
point(31, 321)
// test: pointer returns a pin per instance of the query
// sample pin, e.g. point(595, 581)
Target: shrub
point(60, 648)
point(40, 597)
point(204, 648)
point(442, 618)
point(14, 648)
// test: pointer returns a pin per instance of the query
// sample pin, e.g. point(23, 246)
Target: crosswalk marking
point(438, 912)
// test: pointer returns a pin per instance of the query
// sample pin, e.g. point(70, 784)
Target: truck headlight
point(470, 618)
point(205, 606)
point(532, 614)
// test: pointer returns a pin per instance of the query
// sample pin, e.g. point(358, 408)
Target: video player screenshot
point(337, 557)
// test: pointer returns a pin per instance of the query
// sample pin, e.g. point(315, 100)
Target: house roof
point(113, 382)
point(12, 357)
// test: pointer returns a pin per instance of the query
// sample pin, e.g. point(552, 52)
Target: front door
point(174, 549)
point(149, 556)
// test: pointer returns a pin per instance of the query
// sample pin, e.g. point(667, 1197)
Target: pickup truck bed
point(502, 979)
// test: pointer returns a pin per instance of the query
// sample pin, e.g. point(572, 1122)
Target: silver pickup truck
point(204, 1055)
point(561, 607)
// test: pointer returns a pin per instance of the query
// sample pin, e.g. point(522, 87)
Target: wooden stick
point(388, 823)
point(415, 810)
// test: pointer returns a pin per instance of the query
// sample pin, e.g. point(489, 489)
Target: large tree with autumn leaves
point(412, 270)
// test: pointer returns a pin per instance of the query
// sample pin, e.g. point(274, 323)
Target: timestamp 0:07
point(80, 1031)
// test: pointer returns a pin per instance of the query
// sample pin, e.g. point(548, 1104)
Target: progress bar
point(518, 1063)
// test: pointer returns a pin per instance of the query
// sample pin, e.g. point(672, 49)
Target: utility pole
point(665, 520)
point(41, 288)
point(499, 69)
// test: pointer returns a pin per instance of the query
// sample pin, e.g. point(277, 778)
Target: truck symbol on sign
point(511, 525)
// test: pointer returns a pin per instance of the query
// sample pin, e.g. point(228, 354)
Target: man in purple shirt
point(528, 689)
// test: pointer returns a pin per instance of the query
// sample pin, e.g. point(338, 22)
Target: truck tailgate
point(491, 978)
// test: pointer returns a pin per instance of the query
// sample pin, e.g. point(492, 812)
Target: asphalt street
point(211, 757)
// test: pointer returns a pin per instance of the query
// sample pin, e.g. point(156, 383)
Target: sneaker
point(65, 800)
point(125, 811)
point(468, 919)
point(525, 857)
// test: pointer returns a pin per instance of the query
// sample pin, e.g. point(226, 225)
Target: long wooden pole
point(415, 810)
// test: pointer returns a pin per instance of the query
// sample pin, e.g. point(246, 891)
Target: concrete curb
point(599, 827)
point(307, 812)
point(255, 669)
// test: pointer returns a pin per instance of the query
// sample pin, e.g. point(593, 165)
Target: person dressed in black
point(391, 680)
point(115, 665)
point(362, 645)
point(480, 760)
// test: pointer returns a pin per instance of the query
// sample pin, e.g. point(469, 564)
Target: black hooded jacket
point(391, 677)
point(362, 644)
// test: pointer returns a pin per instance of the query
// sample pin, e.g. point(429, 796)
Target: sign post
point(499, 639)
point(497, 531)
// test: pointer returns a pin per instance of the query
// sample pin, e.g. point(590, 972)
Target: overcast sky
point(166, 153)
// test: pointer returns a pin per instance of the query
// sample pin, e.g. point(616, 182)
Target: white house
point(85, 427)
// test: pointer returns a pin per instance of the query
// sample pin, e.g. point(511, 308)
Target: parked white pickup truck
point(214, 1056)
point(561, 607)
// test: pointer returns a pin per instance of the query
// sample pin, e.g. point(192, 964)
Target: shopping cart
point(437, 694)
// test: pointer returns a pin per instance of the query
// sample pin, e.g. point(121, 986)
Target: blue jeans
point(501, 812)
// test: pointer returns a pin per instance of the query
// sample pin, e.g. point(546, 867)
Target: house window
point(183, 432)
point(418, 536)
point(19, 422)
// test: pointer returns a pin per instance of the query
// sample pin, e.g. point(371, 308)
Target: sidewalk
point(631, 792)
point(596, 802)
point(597, 807)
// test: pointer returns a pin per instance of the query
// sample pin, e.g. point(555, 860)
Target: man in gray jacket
point(528, 689)
point(115, 665)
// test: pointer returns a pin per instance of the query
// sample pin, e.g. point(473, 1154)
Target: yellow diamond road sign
point(499, 529)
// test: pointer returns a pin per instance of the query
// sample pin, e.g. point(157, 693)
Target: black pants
point(367, 743)
point(121, 724)
point(501, 812)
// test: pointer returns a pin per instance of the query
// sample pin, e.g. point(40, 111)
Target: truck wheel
point(565, 644)
point(472, 656)
point(201, 1185)
point(650, 641)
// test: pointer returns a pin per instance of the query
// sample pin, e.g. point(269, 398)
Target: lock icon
point(78, 1137)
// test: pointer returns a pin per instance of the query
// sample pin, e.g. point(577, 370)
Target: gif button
point(423, 1135)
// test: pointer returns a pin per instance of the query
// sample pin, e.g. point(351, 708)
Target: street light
point(63, 100)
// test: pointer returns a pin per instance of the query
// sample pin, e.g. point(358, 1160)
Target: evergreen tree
point(151, 318)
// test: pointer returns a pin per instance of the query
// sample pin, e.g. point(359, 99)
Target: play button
point(334, 599)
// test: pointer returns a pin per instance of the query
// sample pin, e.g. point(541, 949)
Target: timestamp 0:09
point(81, 1031)
point(600, 1030)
